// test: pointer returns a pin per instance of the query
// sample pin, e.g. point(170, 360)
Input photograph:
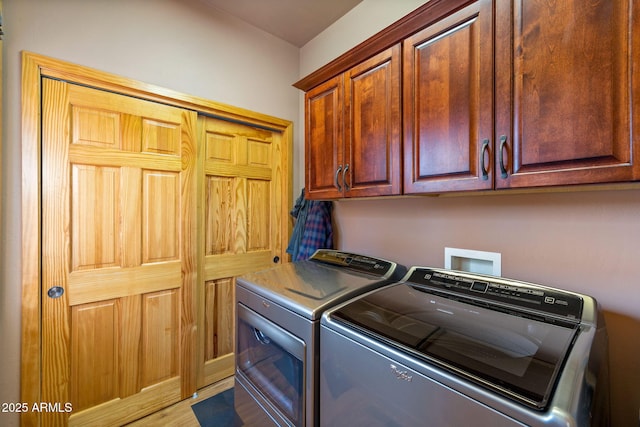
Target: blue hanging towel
point(313, 229)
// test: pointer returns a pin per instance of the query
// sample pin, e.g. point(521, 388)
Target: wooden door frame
point(34, 68)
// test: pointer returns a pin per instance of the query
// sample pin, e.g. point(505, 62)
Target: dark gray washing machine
point(278, 314)
point(446, 348)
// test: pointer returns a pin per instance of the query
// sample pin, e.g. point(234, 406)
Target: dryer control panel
point(358, 263)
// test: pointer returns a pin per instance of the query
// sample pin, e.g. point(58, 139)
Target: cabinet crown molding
point(430, 12)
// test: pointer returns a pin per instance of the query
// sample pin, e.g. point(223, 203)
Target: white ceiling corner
point(296, 21)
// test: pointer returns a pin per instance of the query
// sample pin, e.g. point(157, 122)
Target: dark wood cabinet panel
point(324, 139)
point(448, 83)
point(353, 131)
point(564, 92)
point(373, 126)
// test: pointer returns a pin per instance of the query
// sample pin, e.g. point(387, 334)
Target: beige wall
point(176, 44)
point(584, 241)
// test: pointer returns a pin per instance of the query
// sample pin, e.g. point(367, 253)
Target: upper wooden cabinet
point(566, 96)
point(448, 103)
point(353, 131)
point(497, 94)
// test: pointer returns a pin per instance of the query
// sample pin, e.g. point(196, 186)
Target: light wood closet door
point(118, 254)
point(243, 171)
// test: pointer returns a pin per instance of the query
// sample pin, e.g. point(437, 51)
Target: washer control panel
point(508, 292)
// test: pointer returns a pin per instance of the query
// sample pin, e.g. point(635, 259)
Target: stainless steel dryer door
point(272, 359)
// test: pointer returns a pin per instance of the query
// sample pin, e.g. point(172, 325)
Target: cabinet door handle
point(336, 178)
point(503, 142)
point(344, 181)
point(483, 151)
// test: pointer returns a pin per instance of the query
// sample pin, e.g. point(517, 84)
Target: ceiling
point(296, 21)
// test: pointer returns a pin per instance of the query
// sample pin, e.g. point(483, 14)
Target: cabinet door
point(448, 113)
point(324, 141)
point(373, 126)
point(564, 92)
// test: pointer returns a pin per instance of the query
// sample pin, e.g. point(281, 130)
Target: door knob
point(55, 292)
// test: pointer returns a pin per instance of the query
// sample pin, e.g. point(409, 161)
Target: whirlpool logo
point(400, 374)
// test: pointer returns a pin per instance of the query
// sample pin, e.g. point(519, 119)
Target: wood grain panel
point(130, 321)
point(228, 265)
point(219, 318)
point(220, 147)
point(225, 316)
point(565, 95)
point(160, 137)
point(368, 91)
point(239, 221)
point(259, 153)
point(131, 214)
point(448, 101)
point(161, 216)
point(246, 171)
point(107, 157)
point(445, 131)
point(258, 229)
point(131, 142)
point(210, 320)
point(94, 354)
point(95, 206)
point(324, 138)
point(89, 285)
point(104, 131)
point(567, 47)
point(160, 337)
point(373, 126)
point(219, 214)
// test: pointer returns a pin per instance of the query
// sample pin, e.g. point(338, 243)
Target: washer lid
point(512, 354)
point(329, 277)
